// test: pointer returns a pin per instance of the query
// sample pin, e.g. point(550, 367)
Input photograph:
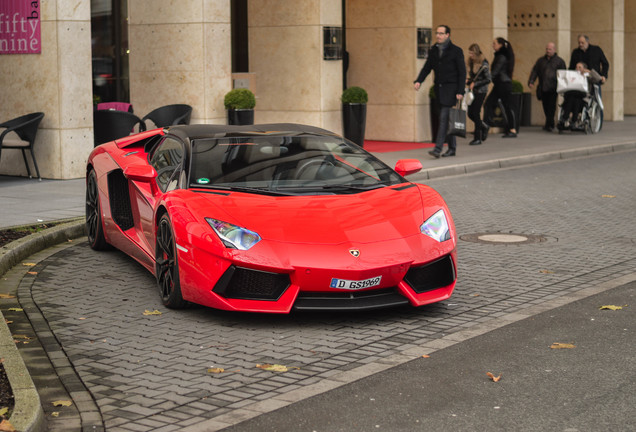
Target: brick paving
point(128, 372)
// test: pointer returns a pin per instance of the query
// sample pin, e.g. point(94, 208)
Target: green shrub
point(354, 95)
point(240, 98)
point(517, 87)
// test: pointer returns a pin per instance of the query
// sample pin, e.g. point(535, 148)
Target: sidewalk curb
point(28, 414)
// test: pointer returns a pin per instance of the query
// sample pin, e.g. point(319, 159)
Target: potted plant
point(434, 110)
point(354, 113)
point(239, 104)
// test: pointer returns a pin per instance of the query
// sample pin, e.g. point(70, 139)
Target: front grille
point(242, 283)
point(431, 276)
point(350, 300)
point(119, 196)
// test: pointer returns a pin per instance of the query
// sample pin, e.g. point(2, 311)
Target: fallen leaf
point(6, 426)
point(154, 312)
point(426, 356)
point(611, 307)
point(274, 367)
point(62, 403)
point(7, 321)
point(493, 377)
point(32, 273)
point(29, 264)
point(55, 414)
point(4, 410)
point(6, 296)
point(216, 370)
point(559, 345)
point(608, 196)
point(16, 309)
point(546, 271)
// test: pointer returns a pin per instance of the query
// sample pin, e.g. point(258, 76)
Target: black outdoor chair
point(26, 128)
point(110, 125)
point(169, 115)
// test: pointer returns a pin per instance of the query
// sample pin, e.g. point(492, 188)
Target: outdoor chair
point(24, 129)
point(110, 125)
point(169, 115)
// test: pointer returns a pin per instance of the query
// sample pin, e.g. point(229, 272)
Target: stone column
point(294, 83)
point(180, 55)
point(57, 82)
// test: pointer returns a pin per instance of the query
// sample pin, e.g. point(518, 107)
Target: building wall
point(180, 53)
point(57, 82)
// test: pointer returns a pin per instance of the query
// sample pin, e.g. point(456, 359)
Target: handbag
point(469, 96)
point(571, 80)
point(457, 122)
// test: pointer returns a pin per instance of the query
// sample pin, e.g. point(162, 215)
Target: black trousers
point(474, 113)
point(443, 128)
point(503, 92)
point(548, 100)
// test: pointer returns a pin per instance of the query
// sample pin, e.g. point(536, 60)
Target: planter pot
point(240, 116)
point(354, 119)
point(434, 117)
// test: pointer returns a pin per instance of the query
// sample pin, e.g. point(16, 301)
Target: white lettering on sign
point(20, 31)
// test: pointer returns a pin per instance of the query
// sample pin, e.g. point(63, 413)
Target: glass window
point(168, 162)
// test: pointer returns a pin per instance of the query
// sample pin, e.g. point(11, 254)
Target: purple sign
point(20, 27)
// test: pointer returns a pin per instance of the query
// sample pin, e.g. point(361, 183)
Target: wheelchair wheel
point(595, 120)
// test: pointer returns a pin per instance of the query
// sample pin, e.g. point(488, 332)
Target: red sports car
point(270, 218)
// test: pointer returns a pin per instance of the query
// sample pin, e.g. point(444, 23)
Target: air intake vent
point(432, 276)
point(120, 200)
point(242, 283)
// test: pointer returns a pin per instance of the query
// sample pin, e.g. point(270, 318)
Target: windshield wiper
point(254, 190)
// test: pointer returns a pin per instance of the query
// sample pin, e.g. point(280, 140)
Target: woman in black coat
point(478, 80)
point(502, 67)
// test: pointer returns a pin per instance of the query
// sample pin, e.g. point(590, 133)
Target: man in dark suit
point(594, 57)
point(447, 61)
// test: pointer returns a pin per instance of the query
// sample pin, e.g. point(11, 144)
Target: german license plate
point(353, 284)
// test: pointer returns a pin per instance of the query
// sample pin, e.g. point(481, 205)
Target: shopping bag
point(469, 97)
point(571, 80)
point(457, 122)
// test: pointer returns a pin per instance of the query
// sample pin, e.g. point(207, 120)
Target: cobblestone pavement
point(126, 371)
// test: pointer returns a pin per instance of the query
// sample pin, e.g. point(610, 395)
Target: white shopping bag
point(571, 80)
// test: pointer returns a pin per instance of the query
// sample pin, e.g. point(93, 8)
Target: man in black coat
point(447, 61)
point(546, 70)
point(594, 57)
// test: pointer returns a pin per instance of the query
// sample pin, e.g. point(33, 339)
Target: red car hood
point(379, 215)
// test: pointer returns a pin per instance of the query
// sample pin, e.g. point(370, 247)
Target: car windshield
point(297, 164)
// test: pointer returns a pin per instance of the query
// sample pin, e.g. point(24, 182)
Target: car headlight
point(436, 227)
point(232, 236)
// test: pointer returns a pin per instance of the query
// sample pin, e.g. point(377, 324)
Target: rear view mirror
point(143, 173)
point(406, 167)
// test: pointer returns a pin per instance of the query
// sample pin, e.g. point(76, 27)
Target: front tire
point(167, 266)
point(94, 223)
point(595, 118)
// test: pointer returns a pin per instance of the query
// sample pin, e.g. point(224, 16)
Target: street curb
point(28, 415)
point(519, 161)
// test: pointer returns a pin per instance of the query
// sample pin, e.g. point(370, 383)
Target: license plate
point(353, 284)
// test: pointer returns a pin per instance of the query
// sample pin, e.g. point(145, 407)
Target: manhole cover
point(503, 238)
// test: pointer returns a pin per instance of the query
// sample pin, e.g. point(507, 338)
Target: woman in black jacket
point(502, 66)
point(478, 80)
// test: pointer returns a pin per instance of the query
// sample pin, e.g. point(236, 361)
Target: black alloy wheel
point(94, 226)
point(167, 266)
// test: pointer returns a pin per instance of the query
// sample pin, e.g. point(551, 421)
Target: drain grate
point(503, 238)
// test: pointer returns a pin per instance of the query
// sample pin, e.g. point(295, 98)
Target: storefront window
point(109, 38)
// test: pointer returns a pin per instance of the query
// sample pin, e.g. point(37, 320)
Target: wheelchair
point(590, 118)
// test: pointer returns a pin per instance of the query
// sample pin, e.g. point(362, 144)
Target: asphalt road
point(366, 371)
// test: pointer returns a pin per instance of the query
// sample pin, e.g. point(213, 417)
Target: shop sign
point(20, 27)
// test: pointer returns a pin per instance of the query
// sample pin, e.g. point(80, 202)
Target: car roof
point(198, 131)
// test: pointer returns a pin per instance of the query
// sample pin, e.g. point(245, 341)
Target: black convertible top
point(218, 131)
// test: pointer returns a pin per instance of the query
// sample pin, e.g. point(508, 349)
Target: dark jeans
point(474, 113)
point(549, 99)
point(443, 128)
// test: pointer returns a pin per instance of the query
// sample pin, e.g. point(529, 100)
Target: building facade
point(181, 51)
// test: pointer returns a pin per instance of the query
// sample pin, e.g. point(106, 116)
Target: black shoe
point(434, 153)
point(476, 141)
point(449, 153)
point(484, 132)
point(548, 128)
point(510, 135)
